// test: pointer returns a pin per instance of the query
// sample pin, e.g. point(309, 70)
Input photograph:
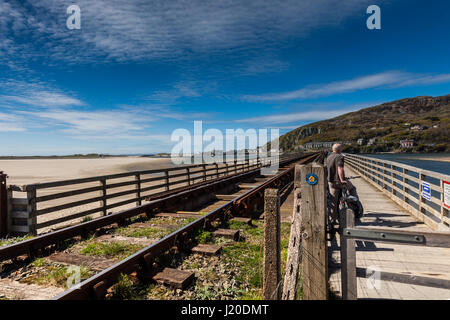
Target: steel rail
point(141, 261)
point(30, 246)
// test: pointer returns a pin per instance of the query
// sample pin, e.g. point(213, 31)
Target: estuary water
point(437, 162)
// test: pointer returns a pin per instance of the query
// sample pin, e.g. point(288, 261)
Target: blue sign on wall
point(426, 190)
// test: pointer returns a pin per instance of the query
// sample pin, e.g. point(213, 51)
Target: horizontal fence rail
point(51, 204)
point(405, 184)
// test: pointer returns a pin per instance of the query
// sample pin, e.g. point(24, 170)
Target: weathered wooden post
point(3, 206)
point(314, 245)
point(166, 176)
point(294, 249)
point(348, 258)
point(272, 272)
point(204, 172)
point(188, 173)
point(31, 209)
point(138, 189)
point(103, 195)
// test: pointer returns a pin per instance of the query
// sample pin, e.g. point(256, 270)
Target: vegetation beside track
point(235, 274)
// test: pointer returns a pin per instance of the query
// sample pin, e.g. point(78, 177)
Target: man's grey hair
point(337, 147)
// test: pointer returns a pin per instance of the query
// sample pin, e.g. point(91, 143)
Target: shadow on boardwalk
point(422, 272)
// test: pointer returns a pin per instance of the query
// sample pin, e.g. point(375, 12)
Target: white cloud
point(90, 123)
point(143, 30)
point(35, 94)
point(10, 123)
point(44, 99)
point(6, 127)
point(387, 79)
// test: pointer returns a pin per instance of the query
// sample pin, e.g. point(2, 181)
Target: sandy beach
point(27, 171)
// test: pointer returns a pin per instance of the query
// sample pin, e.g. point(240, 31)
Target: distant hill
point(424, 119)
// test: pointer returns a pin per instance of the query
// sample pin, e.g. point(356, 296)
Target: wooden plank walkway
point(431, 265)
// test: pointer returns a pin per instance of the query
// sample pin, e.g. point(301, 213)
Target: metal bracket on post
point(365, 234)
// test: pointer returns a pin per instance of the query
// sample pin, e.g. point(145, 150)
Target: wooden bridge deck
point(429, 265)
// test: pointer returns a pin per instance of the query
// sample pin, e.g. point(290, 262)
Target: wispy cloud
point(389, 79)
point(136, 30)
point(297, 116)
point(10, 123)
point(35, 94)
point(37, 105)
point(263, 64)
point(90, 122)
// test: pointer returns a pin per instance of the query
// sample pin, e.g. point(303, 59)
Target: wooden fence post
point(271, 280)
point(204, 172)
point(348, 258)
point(294, 250)
point(166, 174)
point(103, 195)
point(314, 245)
point(138, 189)
point(31, 209)
point(9, 209)
point(3, 206)
point(188, 173)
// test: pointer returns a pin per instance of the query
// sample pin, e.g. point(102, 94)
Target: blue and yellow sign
point(312, 179)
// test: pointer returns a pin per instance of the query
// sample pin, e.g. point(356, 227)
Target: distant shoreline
point(443, 159)
point(77, 157)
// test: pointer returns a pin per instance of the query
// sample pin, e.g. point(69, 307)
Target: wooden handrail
point(397, 180)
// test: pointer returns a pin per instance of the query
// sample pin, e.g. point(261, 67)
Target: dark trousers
point(335, 194)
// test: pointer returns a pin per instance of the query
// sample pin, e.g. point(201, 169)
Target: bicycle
point(346, 201)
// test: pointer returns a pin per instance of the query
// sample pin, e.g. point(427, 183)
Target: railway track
point(198, 207)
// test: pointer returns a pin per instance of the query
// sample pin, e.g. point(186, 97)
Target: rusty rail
point(142, 261)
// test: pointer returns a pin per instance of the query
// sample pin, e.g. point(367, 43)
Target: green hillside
point(426, 120)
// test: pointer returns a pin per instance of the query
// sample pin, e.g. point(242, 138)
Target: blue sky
point(137, 70)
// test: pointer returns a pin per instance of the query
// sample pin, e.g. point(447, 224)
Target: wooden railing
point(403, 184)
point(50, 204)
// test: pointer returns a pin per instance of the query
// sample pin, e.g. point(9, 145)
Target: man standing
point(336, 179)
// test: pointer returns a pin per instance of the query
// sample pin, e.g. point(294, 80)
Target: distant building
point(361, 141)
point(417, 128)
point(318, 145)
point(372, 142)
point(407, 143)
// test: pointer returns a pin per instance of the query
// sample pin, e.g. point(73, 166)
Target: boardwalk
point(427, 264)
